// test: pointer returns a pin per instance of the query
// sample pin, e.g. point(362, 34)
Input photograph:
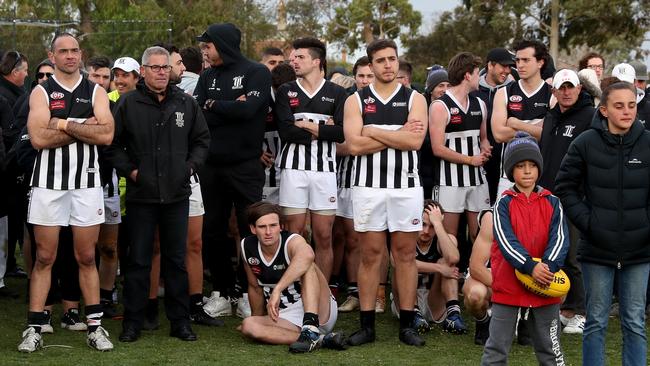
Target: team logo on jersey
point(516, 98)
point(292, 94)
point(454, 110)
point(236, 82)
point(369, 100)
point(57, 95)
point(568, 130)
point(326, 99)
point(415, 221)
point(180, 122)
point(57, 104)
point(253, 261)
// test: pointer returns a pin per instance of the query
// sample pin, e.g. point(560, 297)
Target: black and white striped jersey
point(388, 168)
point(272, 144)
point(294, 103)
point(76, 165)
point(269, 273)
point(430, 256)
point(526, 106)
point(462, 135)
point(345, 166)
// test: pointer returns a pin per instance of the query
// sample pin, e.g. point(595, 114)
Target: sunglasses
point(41, 75)
point(18, 61)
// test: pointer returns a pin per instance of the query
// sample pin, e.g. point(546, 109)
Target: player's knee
point(195, 245)
point(475, 296)
point(403, 255)
point(107, 250)
point(85, 258)
point(45, 259)
point(249, 328)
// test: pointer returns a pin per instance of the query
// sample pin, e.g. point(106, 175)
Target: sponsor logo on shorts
point(57, 104)
point(332, 199)
point(487, 201)
point(253, 261)
point(415, 221)
point(100, 212)
point(516, 98)
point(57, 95)
point(114, 214)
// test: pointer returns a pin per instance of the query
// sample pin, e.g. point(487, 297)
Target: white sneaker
point(47, 327)
point(99, 340)
point(350, 304)
point(573, 325)
point(216, 305)
point(393, 306)
point(31, 341)
point(243, 307)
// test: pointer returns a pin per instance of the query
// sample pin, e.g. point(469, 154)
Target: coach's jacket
point(165, 141)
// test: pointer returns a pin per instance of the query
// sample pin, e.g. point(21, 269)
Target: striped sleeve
point(558, 237)
point(510, 247)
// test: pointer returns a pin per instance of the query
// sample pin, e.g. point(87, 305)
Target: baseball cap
point(624, 72)
point(500, 56)
point(127, 64)
point(565, 76)
point(640, 69)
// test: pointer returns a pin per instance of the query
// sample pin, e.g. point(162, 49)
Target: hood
point(599, 123)
point(226, 38)
point(484, 84)
point(589, 86)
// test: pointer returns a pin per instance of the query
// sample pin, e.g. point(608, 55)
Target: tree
point(308, 18)
point(358, 22)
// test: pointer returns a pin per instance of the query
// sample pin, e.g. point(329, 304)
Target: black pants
point(575, 299)
point(171, 220)
point(222, 187)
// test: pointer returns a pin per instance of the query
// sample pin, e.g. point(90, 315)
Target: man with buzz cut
point(310, 123)
point(384, 129)
point(272, 57)
point(69, 116)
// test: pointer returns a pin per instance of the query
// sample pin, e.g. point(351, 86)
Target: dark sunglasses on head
point(18, 59)
point(40, 75)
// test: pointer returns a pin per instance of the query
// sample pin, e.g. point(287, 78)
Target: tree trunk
point(555, 28)
point(367, 33)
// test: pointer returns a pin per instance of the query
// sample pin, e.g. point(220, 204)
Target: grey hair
point(155, 50)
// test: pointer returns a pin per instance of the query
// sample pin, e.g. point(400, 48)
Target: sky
point(431, 9)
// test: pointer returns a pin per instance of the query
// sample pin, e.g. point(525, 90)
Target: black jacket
point(10, 91)
point(165, 141)
point(643, 110)
point(560, 129)
point(236, 127)
point(604, 186)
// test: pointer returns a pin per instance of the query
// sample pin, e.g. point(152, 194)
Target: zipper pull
point(618, 265)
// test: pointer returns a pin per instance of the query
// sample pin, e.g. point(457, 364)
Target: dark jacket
point(10, 91)
point(166, 141)
point(604, 185)
point(559, 130)
point(236, 127)
point(643, 110)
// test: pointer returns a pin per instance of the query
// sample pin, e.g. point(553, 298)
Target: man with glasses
point(593, 61)
point(161, 139)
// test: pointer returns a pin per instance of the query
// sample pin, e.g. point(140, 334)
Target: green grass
point(225, 346)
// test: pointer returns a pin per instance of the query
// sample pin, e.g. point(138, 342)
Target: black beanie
point(523, 147)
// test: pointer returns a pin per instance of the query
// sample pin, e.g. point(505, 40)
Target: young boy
point(528, 223)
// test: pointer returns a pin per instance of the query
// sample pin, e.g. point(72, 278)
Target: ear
point(603, 110)
point(141, 70)
point(50, 55)
point(252, 227)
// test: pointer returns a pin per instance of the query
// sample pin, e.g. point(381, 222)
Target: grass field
point(221, 346)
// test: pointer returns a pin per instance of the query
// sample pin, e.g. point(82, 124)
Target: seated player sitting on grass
point(300, 310)
point(437, 291)
point(477, 289)
point(528, 223)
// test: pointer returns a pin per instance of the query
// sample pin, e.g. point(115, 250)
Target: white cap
point(565, 76)
point(624, 72)
point(127, 64)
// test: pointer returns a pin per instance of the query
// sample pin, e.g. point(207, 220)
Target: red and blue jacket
point(526, 228)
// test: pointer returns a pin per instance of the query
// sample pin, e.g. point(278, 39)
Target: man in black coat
point(161, 138)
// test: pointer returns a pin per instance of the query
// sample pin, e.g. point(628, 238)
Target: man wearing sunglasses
point(13, 71)
point(161, 139)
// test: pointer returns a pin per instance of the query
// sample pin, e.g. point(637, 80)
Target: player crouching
point(301, 311)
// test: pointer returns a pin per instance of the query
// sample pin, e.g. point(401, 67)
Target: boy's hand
point(542, 274)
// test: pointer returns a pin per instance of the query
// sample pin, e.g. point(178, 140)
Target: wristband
point(62, 124)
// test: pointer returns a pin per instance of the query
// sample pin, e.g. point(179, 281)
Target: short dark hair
point(316, 49)
point(430, 202)
point(60, 35)
point(406, 67)
point(168, 46)
point(607, 81)
point(378, 45)
point(541, 51)
point(10, 61)
point(283, 73)
point(272, 51)
point(461, 64)
point(259, 209)
point(192, 59)
point(583, 63)
point(98, 62)
point(619, 85)
point(362, 61)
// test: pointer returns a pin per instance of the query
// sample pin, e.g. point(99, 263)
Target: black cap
point(204, 37)
point(500, 56)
